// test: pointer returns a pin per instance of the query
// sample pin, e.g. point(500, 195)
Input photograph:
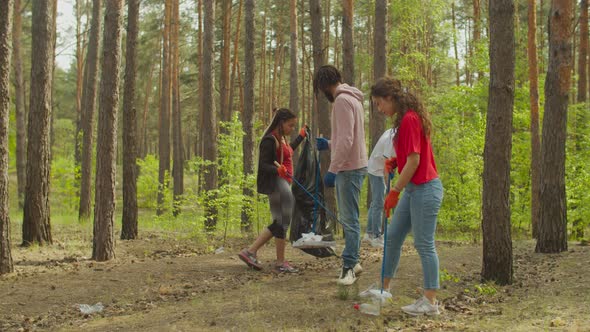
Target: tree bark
point(103, 248)
point(88, 108)
point(582, 59)
point(19, 93)
point(497, 243)
point(80, 46)
point(583, 82)
point(209, 123)
point(235, 68)
point(248, 113)
point(553, 223)
point(146, 104)
point(377, 119)
point(6, 8)
point(534, 102)
point(320, 101)
point(129, 220)
point(199, 138)
point(164, 133)
point(36, 220)
point(477, 30)
point(225, 66)
point(347, 42)
point(294, 79)
point(178, 165)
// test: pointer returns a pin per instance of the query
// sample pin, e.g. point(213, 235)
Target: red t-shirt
point(411, 139)
point(287, 157)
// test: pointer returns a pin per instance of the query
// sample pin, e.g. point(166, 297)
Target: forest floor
point(163, 283)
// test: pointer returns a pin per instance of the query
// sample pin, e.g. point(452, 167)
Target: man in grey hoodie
point(348, 160)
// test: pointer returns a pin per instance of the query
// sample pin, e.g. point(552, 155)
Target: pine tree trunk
point(129, 221)
point(19, 93)
point(248, 113)
point(199, 138)
point(36, 220)
point(79, 81)
point(582, 59)
point(477, 31)
point(497, 243)
point(225, 60)
point(88, 108)
point(6, 8)
point(320, 101)
point(277, 57)
point(377, 119)
point(583, 83)
point(327, 25)
point(347, 42)
point(553, 223)
point(103, 248)
point(303, 76)
point(164, 132)
point(235, 69)
point(294, 74)
point(178, 165)
point(534, 102)
point(146, 104)
point(209, 123)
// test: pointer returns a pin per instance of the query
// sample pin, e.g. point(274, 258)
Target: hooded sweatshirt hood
point(349, 90)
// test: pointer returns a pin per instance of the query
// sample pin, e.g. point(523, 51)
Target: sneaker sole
point(249, 263)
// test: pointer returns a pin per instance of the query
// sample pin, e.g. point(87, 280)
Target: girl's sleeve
point(296, 142)
point(267, 157)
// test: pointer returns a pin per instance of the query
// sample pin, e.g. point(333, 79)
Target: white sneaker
point(358, 269)
point(367, 238)
point(347, 277)
point(422, 306)
point(375, 292)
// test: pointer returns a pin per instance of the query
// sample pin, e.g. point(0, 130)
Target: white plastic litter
point(374, 292)
point(311, 240)
point(90, 309)
point(219, 250)
point(370, 309)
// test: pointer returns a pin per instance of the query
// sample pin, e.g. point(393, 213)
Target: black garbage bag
point(305, 211)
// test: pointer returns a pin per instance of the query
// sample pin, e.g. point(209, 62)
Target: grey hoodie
point(347, 145)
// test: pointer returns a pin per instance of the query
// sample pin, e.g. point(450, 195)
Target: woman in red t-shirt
point(276, 183)
point(419, 205)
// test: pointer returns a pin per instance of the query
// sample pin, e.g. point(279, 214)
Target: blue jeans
point(348, 192)
point(375, 218)
point(417, 211)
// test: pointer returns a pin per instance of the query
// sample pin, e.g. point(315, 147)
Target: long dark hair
point(281, 116)
point(404, 101)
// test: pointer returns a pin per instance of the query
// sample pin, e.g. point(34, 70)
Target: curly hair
point(404, 102)
point(324, 77)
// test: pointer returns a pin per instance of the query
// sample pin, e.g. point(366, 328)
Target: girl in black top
point(275, 181)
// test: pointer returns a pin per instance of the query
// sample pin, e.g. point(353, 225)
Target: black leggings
point(281, 208)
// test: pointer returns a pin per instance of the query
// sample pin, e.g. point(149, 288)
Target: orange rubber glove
point(303, 131)
point(391, 201)
point(282, 171)
point(390, 164)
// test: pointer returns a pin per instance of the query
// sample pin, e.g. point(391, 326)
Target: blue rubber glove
point(330, 180)
point(322, 143)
